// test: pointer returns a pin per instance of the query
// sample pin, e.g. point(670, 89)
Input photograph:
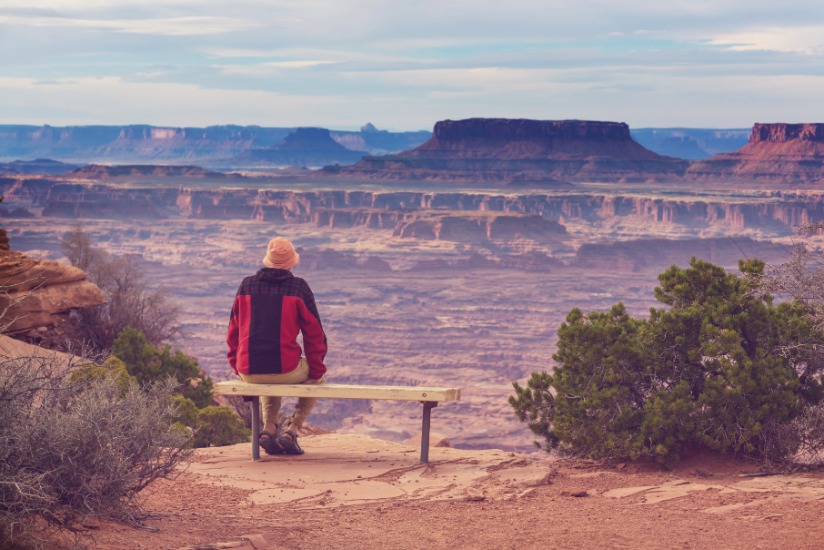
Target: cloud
point(268, 62)
point(175, 26)
point(113, 100)
point(803, 39)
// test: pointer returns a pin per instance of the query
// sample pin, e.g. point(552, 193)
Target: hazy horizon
point(334, 129)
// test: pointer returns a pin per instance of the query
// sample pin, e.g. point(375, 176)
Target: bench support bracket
point(427, 409)
point(255, 427)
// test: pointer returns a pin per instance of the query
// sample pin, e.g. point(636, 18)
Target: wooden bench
point(430, 397)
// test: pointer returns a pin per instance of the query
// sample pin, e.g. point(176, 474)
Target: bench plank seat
point(430, 397)
point(339, 391)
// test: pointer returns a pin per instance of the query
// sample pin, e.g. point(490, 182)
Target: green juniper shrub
point(185, 411)
point(702, 372)
point(147, 363)
point(112, 367)
point(218, 426)
point(196, 410)
point(535, 405)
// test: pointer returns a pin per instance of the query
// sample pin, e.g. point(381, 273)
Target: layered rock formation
point(143, 143)
point(39, 295)
point(519, 151)
point(480, 150)
point(475, 228)
point(779, 212)
point(303, 147)
point(775, 153)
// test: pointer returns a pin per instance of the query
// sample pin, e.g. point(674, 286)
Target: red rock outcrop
point(776, 153)
point(523, 151)
point(39, 295)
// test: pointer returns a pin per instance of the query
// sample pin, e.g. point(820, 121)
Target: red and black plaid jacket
point(270, 309)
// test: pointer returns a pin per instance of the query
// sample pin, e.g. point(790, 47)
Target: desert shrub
point(185, 411)
point(129, 300)
point(241, 408)
point(211, 425)
point(702, 372)
point(218, 426)
point(149, 364)
point(802, 437)
point(70, 449)
point(112, 368)
point(801, 281)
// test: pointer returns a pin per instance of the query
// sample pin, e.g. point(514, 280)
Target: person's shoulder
point(300, 283)
point(248, 281)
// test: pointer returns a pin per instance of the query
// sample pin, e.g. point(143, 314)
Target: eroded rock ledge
point(39, 295)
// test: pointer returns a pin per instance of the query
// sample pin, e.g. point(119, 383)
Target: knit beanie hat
point(280, 254)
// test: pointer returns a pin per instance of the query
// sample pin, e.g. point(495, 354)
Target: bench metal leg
point(255, 427)
point(427, 409)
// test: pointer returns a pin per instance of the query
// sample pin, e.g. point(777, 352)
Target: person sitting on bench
point(270, 309)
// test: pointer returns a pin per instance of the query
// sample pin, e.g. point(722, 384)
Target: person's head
point(280, 254)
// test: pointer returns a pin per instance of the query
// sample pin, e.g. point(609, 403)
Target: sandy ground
point(352, 491)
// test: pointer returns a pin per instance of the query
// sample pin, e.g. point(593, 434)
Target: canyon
point(463, 287)
point(485, 215)
point(452, 263)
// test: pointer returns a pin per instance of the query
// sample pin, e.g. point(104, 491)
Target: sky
point(406, 65)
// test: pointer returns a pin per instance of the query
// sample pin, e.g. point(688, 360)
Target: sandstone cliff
point(520, 151)
point(780, 212)
point(477, 227)
point(39, 295)
point(775, 153)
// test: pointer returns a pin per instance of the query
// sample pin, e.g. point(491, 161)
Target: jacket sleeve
point(314, 338)
point(232, 337)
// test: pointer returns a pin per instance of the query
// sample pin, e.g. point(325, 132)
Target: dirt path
point(356, 492)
